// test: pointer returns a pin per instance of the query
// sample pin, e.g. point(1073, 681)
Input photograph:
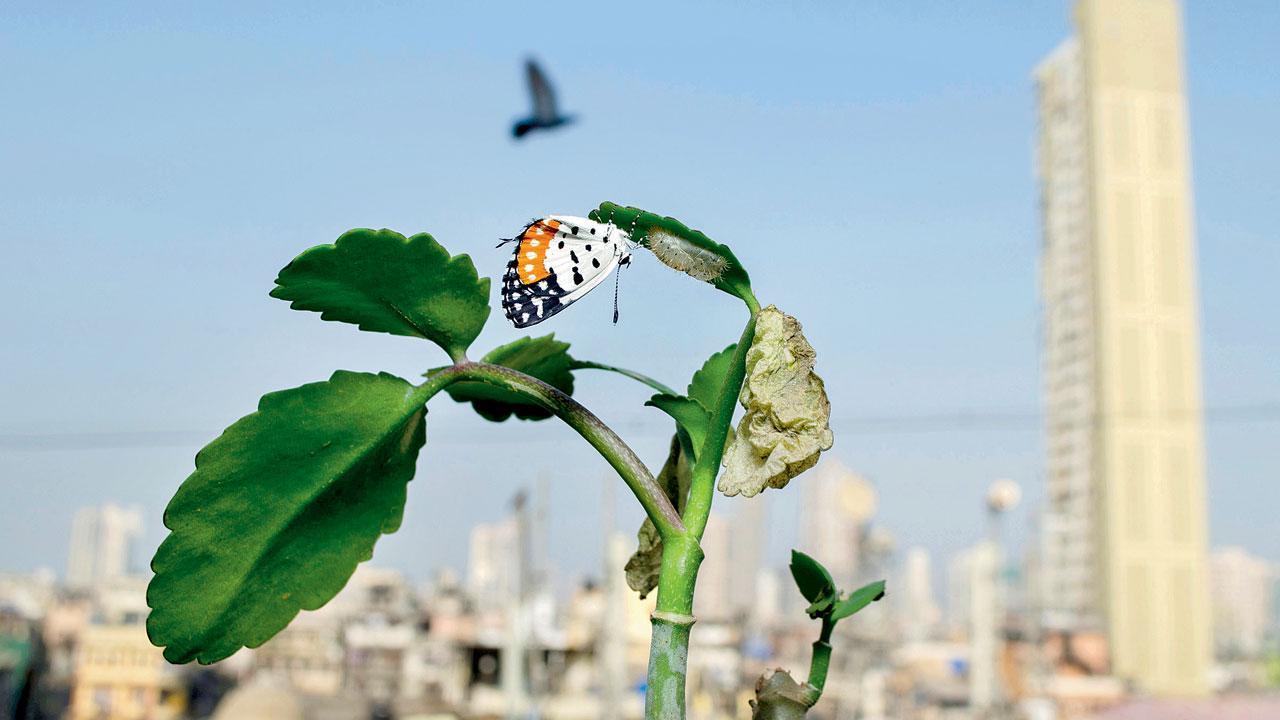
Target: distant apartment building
point(493, 566)
point(1243, 598)
point(120, 675)
point(102, 540)
point(1124, 536)
point(960, 576)
point(918, 606)
point(748, 531)
point(837, 504)
point(714, 599)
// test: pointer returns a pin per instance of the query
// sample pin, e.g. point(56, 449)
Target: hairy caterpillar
point(680, 254)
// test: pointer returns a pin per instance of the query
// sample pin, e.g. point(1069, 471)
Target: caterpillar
point(680, 254)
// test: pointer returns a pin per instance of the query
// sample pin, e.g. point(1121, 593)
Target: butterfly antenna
point(617, 279)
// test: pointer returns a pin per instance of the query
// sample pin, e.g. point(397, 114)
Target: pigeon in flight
point(545, 115)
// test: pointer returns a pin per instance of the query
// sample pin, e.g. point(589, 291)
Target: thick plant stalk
point(672, 621)
point(668, 666)
point(682, 555)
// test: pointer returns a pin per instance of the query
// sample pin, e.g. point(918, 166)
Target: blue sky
point(870, 163)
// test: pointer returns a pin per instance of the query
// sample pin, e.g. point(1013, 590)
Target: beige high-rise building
point(1124, 532)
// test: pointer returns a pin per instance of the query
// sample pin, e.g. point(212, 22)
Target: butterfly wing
point(558, 260)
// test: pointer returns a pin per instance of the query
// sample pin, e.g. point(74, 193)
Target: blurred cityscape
point(1116, 609)
point(498, 641)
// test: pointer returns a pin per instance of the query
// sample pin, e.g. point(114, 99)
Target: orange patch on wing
point(531, 258)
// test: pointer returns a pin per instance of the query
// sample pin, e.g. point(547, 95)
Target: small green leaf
point(280, 510)
point(544, 358)
point(709, 380)
point(857, 600)
point(821, 606)
point(689, 251)
point(692, 413)
point(812, 578)
point(383, 282)
point(689, 415)
point(645, 564)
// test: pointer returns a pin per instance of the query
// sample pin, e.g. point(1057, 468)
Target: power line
point(1022, 420)
point(1034, 420)
point(102, 440)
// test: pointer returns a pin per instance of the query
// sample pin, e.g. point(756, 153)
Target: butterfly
point(559, 259)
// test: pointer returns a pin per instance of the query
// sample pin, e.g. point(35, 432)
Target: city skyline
point(387, 640)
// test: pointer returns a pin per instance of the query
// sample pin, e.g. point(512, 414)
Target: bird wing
point(544, 98)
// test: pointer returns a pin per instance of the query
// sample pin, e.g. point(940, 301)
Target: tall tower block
point(1125, 527)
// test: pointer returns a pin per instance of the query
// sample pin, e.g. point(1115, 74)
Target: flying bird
point(545, 115)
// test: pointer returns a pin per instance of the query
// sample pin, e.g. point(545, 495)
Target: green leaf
point(709, 380)
point(646, 563)
point(812, 578)
point(692, 413)
point(689, 415)
point(857, 600)
point(544, 358)
point(383, 282)
point(689, 251)
point(280, 510)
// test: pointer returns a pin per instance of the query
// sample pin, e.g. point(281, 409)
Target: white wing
point(583, 253)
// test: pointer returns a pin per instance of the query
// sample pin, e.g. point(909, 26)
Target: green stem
point(589, 365)
point(672, 619)
point(668, 668)
point(819, 663)
point(619, 455)
point(682, 554)
point(702, 487)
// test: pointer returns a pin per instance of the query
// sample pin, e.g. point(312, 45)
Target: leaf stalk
point(600, 436)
